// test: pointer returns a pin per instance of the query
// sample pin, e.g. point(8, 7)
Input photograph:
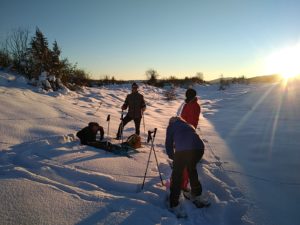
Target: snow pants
point(127, 119)
point(185, 160)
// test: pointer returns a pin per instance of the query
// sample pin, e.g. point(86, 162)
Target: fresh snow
point(47, 177)
point(259, 124)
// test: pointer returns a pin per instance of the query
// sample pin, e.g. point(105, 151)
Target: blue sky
point(125, 38)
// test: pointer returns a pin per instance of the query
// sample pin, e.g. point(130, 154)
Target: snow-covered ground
point(260, 126)
point(46, 177)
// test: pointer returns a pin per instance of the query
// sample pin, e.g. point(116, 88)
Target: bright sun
point(285, 62)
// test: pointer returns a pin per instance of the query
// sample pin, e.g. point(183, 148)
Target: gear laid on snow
point(123, 149)
point(134, 141)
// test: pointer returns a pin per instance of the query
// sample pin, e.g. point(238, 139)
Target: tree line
point(32, 55)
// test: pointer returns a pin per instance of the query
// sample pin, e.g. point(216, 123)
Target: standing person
point(190, 113)
point(189, 149)
point(191, 109)
point(136, 106)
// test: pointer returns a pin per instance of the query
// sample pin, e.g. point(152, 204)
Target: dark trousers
point(127, 119)
point(189, 160)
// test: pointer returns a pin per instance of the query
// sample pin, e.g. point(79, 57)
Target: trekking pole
point(144, 123)
point(121, 127)
point(146, 169)
point(150, 138)
point(108, 122)
point(152, 146)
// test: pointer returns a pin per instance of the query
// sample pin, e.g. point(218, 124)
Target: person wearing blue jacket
point(185, 148)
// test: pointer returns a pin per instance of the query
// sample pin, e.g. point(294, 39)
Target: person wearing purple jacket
point(185, 148)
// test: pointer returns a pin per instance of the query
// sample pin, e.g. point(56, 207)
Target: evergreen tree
point(56, 65)
point(40, 53)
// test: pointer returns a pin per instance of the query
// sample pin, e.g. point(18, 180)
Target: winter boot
point(200, 201)
point(179, 211)
point(187, 193)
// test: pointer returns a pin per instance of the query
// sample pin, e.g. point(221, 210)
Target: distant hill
point(218, 80)
point(265, 79)
point(258, 79)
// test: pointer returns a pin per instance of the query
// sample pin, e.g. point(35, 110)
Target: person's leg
point(175, 189)
point(193, 158)
point(126, 120)
point(185, 179)
point(137, 123)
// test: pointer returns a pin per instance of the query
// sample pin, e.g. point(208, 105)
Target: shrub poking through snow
point(170, 93)
point(50, 83)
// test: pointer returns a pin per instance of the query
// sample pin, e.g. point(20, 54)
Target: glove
point(171, 163)
point(171, 156)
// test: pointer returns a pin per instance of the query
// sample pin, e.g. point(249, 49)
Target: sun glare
point(285, 62)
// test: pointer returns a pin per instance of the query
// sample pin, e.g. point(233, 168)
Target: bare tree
point(200, 76)
point(152, 76)
point(17, 43)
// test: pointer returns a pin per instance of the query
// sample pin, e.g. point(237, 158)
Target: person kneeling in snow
point(88, 134)
point(189, 149)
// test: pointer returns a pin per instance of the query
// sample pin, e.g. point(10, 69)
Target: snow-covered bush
point(51, 83)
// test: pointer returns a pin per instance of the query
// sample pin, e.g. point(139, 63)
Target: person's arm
point(143, 104)
point(81, 135)
point(169, 143)
point(126, 103)
point(197, 115)
point(101, 133)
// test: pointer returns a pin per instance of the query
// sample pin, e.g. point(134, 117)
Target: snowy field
point(249, 171)
point(260, 127)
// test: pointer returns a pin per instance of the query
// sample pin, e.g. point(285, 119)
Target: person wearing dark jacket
point(88, 134)
point(136, 106)
point(185, 148)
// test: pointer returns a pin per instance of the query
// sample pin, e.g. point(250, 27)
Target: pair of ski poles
point(151, 138)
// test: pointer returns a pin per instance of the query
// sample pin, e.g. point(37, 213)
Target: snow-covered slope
point(46, 177)
point(259, 124)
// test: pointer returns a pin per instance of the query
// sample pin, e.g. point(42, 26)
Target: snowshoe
point(179, 210)
point(200, 201)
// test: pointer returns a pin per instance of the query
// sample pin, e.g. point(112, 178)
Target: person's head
point(134, 87)
point(190, 94)
point(94, 126)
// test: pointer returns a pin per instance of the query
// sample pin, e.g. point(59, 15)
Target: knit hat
point(190, 95)
point(134, 85)
point(92, 124)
